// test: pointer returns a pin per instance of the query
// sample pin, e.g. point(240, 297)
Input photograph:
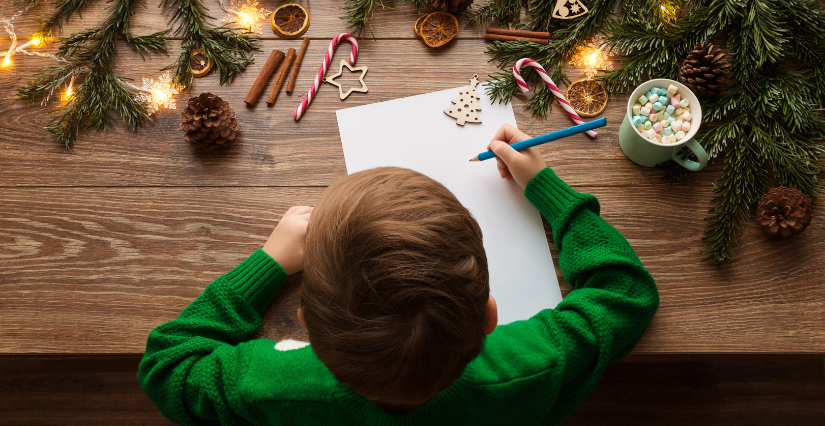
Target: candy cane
point(353, 56)
point(550, 85)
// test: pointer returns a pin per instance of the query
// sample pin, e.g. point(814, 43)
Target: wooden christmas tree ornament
point(331, 79)
point(466, 105)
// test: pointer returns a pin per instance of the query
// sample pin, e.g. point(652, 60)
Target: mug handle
point(697, 149)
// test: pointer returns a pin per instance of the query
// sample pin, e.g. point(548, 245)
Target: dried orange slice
point(587, 97)
point(289, 20)
point(438, 28)
point(201, 64)
point(417, 25)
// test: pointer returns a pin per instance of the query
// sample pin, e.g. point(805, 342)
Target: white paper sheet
point(415, 133)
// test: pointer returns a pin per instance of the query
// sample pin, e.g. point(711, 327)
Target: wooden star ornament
point(331, 79)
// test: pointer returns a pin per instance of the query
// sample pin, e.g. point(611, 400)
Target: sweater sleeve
point(614, 297)
point(193, 365)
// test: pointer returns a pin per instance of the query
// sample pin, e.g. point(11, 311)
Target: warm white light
point(246, 15)
point(158, 94)
point(6, 61)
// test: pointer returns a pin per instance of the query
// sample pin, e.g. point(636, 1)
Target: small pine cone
point(784, 212)
point(705, 71)
point(208, 122)
point(451, 6)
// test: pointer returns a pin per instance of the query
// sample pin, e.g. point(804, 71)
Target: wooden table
point(100, 246)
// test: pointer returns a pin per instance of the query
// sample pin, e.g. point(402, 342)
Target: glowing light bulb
point(6, 61)
point(158, 94)
point(591, 59)
point(246, 15)
point(37, 39)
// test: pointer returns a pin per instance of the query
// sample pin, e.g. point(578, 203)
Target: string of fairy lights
point(156, 94)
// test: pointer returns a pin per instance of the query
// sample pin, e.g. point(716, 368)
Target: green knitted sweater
point(201, 369)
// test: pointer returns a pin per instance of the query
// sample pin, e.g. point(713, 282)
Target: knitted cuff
point(257, 279)
point(551, 195)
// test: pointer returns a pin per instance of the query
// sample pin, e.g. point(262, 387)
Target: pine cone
point(451, 6)
point(705, 71)
point(208, 121)
point(784, 212)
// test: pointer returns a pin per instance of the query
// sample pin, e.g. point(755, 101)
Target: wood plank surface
point(93, 270)
point(718, 392)
point(100, 246)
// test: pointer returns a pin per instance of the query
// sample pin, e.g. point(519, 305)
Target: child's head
point(395, 296)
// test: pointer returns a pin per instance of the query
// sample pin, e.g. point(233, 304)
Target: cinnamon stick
point(297, 65)
point(259, 85)
point(518, 33)
point(279, 80)
point(499, 37)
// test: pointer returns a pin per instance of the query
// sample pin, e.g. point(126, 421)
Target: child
point(396, 303)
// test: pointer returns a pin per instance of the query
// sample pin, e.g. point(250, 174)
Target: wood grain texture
point(93, 270)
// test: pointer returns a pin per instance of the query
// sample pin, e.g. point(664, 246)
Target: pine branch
point(64, 9)
point(505, 11)
point(228, 48)
point(359, 12)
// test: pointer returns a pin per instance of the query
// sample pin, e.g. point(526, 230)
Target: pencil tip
point(474, 158)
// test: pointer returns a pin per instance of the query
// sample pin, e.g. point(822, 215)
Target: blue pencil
point(538, 140)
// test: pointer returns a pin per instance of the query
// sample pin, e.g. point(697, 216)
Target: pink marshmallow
point(675, 102)
point(653, 117)
point(676, 126)
point(686, 126)
point(658, 137)
point(657, 127)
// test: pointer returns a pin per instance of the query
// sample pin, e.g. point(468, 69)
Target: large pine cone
point(784, 212)
point(452, 6)
point(705, 71)
point(208, 121)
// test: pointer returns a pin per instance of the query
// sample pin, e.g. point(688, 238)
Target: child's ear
point(492, 315)
point(301, 317)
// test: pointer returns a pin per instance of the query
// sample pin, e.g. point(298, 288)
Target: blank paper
point(415, 133)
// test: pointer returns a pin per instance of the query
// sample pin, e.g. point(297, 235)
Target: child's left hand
point(286, 243)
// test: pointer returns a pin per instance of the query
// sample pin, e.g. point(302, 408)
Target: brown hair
point(395, 286)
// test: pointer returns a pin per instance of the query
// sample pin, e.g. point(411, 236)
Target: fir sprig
point(91, 59)
point(228, 48)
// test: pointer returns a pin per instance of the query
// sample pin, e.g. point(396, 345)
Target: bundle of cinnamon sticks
point(269, 68)
point(501, 34)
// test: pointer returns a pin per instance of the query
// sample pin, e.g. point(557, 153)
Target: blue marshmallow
point(657, 106)
point(670, 109)
point(637, 121)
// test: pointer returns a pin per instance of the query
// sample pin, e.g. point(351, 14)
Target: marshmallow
point(675, 102)
point(676, 125)
point(657, 106)
point(678, 112)
point(680, 136)
point(687, 109)
point(685, 102)
point(641, 129)
point(649, 105)
point(664, 100)
point(658, 137)
point(643, 99)
point(653, 117)
point(670, 109)
point(653, 98)
point(667, 139)
point(650, 133)
point(672, 89)
point(637, 121)
point(686, 126)
point(657, 127)
point(664, 123)
point(686, 116)
point(648, 126)
point(645, 111)
point(670, 120)
point(644, 119)
point(678, 96)
point(637, 109)
point(667, 131)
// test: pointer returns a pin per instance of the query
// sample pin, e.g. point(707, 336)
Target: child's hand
point(512, 164)
point(286, 243)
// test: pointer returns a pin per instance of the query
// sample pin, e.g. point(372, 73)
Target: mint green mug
point(647, 153)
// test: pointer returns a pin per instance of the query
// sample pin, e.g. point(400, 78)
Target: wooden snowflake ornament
point(466, 105)
point(569, 9)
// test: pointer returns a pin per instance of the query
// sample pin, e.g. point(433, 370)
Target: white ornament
point(569, 9)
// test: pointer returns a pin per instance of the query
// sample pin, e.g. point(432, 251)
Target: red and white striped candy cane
point(550, 85)
point(353, 56)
